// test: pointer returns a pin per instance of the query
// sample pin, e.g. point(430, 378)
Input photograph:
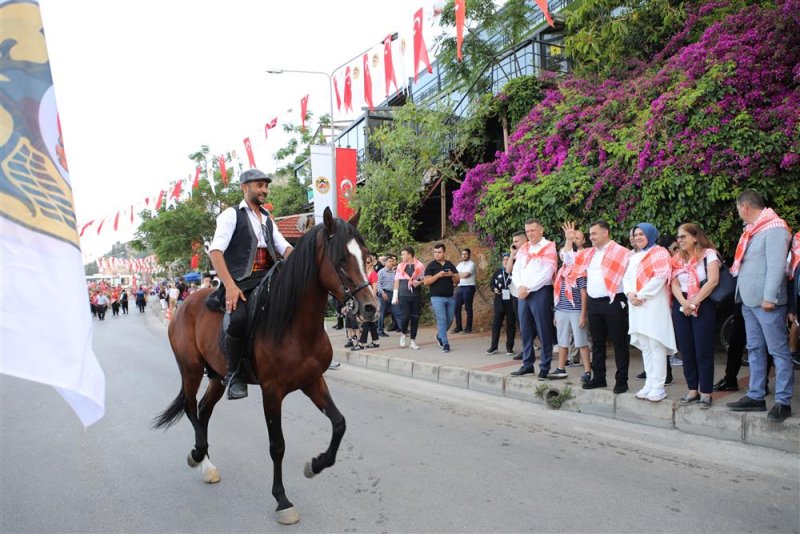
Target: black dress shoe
point(595, 383)
point(517, 357)
point(456, 331)
point(779, 413)
point(523, 371)
point(641, 376)
point(724, 385)
point(620, 387)
point(746, 404)
point(669, 379)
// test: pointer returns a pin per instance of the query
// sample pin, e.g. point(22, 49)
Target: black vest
point(241, 251)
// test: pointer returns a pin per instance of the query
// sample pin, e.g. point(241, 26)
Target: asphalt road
point(417, 457)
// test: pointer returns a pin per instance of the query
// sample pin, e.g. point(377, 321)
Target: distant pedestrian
point(465, 293)
point(369, 327)
point(505, 308)
point(407, 293)
point(384, 289)
point(441, 276)
point(123, 300)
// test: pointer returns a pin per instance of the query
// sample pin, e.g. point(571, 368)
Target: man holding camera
point(441, 276)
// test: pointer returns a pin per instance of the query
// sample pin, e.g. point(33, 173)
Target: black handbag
point(726, 287)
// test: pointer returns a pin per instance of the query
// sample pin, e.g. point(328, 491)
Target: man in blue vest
point(246, 244)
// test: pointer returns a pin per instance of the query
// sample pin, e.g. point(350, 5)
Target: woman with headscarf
point(695, 274)
point(650, 324)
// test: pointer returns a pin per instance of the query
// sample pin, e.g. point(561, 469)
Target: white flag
point(210, 175)
point(39, 248)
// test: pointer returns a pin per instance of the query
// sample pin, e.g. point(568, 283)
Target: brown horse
point(288, 343)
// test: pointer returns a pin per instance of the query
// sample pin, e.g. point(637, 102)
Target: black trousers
point(370, 327)
point(464, 297)
point(608, 321)
point(504, 310)
point(409, 313)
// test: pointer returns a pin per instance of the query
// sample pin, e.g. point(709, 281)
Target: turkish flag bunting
point(249, 149)
point(85, 226)
point(223, 172)
point(100, 227)
point(420, 49)
point(388, 64)
point(303, 110)
point(146, 201)
point(160, 199)
point(546, 10)
point(338, 98)
point(461, 11)
point(367, 83)
point(348, 90)
point(196, 182)
point(270, 125)
point(116, 222)
point(131, 213)
point(176, 191)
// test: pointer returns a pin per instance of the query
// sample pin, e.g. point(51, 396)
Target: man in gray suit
point(760, 267)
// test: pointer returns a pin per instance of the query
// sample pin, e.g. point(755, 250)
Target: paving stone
point(660, 414)
point(401, 366)
point(593, 401)
point(357, 358)
point(716, 422)
point(426, 371)
point(454, 376)
point(522, 388)
point(379, 362)
point(761, 431)
point(486, 382)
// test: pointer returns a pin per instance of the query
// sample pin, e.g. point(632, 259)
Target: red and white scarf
point(655, 264)
point(562, 276)
point(546, 255)
point(615, 261)
point(419, 270)
point(795, 258)
point(767, 220)
point(680, 265)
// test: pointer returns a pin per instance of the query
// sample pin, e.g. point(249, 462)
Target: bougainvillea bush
point(715, 112)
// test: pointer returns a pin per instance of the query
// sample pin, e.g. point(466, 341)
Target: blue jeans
point(766, 332)
point(444, 308)
point(386, 305)
point(536, 318)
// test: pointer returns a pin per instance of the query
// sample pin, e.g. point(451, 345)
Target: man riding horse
point(245, 245)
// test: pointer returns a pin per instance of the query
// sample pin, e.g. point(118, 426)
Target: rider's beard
point(254, 199)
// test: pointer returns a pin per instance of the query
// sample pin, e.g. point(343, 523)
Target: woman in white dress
point(650, 322)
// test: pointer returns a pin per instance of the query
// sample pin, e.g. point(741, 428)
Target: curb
point(717, 422)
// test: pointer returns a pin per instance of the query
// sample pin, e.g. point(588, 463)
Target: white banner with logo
point(322, 180)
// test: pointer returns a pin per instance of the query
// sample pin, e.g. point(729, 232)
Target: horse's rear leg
point(199, 419)
point(321, 397)
point(287, 513)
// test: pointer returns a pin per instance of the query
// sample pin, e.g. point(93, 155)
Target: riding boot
point(237, 388)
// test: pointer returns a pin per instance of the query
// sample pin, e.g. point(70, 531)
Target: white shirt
point(534, 274)
point(595, 282)
point(226, 224)
point(174, 293)
point(467, 267)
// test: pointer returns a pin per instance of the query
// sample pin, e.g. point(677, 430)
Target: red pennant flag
point(420, 49)
point(348, 91)
point(176, 191)
point(223, 172)
point(388, 64)
point(249, 149)
point(146, 201)
point(131, 213)
point(85, 226)
point(116, 222)
point(461, 12)
point(270, 125)
point(543, 6)
point(195, 261)
point(196, 183)
point(367, 83)
point(338, 98)
point(303, 110)
point(160, 199)
point(100, 227)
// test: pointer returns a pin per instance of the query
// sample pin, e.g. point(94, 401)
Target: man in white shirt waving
point(245, 246)
point(534, 266)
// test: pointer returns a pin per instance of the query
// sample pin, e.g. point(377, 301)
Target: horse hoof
point(210, 476)
point(308, 472)
point(290, 516)
point(191, 462)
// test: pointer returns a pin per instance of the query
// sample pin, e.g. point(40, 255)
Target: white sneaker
point(402, 340)
point(414, 345)
point(643, 393)
point(657, 395)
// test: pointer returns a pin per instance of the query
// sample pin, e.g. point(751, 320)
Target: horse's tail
point(171, 415)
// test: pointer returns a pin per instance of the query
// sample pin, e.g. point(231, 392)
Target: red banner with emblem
point(346, 169)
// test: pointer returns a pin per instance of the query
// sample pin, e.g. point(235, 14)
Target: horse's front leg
point(287, 513)
point(321, 397)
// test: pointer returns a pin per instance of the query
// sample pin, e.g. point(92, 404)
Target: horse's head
point(345, 275)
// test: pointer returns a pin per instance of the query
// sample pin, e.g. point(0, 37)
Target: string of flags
point(390, 54)
point(138, 265)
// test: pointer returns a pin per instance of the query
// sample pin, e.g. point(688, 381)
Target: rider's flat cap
point(254, 175)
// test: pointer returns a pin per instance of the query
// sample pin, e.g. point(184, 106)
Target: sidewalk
point(468, 366)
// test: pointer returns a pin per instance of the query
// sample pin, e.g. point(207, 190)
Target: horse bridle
point(350, 295)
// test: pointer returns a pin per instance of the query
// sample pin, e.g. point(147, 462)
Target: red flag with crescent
point(303, 110)
point(196, 182)
point(176, 191)
point(461, 12)
point(388, 64)
point(249, 149)
point(336, 91)
point(85, 226)
point(100, 226)
point(367, 83)
point(131, 213)
point(348, 90)
point(546, 10)
point(223, 172)
point(270, 125)
point(116, 221)
point(160, 199)
point(420, 49)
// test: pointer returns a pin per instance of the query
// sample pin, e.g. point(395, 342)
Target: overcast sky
point(141, 85)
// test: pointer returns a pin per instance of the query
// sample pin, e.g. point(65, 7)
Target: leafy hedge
point(715, 112)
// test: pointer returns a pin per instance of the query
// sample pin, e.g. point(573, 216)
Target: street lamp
point(334, 185)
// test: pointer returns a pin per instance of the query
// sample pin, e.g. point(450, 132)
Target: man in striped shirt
point(384, 292)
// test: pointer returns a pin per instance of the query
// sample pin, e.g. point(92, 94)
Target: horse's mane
point(298, 272)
